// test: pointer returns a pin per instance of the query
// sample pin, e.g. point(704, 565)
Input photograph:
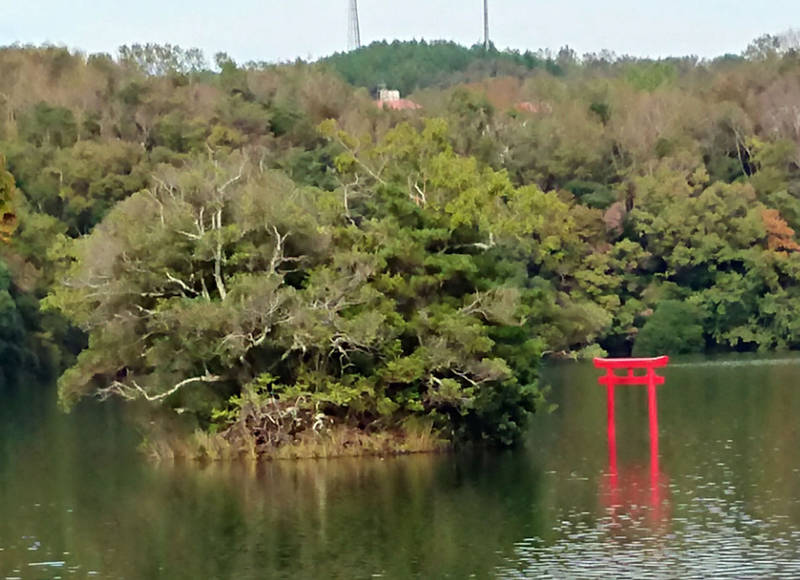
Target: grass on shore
point(336, 442)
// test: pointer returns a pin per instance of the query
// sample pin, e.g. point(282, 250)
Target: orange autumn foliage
point(780, 237)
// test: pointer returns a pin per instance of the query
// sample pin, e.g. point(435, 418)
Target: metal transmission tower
point(353, 28)
point(486, 25)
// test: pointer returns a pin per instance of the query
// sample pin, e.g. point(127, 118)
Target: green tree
point(674, 328)
point(48, 125)
point(8, 211)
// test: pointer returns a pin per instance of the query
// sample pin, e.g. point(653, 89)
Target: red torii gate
point(651, 379)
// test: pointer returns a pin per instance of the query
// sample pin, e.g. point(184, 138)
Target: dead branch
point(134, 391)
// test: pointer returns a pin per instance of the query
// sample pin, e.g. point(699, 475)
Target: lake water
point(77, 501)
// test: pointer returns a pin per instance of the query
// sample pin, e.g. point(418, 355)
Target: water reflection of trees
point(729, 442)
point(729, 436)
point(417, 516)
point(429, 516)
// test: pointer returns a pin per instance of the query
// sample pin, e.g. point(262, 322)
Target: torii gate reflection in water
point(652, 380)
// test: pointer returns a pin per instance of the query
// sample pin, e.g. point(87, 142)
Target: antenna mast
point(486, 25)
point(353, 28)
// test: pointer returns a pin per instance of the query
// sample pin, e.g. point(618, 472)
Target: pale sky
point(274, 30)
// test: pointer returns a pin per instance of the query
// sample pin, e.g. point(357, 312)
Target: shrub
point(674, 328)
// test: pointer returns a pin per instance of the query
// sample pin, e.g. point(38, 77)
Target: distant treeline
point(410, 66)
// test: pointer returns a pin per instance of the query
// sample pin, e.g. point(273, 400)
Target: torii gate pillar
point(652, 380)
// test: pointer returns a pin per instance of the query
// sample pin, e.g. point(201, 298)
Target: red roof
point(398, 105)
point(528, 107)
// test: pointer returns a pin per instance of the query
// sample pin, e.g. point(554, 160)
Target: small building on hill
point(388, 99)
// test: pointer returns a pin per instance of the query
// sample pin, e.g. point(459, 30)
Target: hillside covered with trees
point(264, 250)
point(414, 65)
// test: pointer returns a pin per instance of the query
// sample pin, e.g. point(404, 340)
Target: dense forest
point(267, 253)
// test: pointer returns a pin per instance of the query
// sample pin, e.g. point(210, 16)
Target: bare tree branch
point(218, 257)
point(232, 180)
point(135, 391)
point(184, 286)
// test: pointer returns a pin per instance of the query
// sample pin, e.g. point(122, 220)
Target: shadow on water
point(78, 500)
